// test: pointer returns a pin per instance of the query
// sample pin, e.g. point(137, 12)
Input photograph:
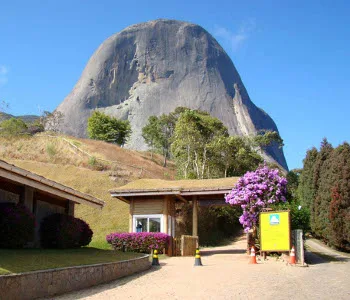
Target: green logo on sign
point(274, 219)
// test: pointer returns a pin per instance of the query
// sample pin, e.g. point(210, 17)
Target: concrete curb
point(47, 283)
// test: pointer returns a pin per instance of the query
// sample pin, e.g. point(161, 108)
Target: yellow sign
point(275, 231)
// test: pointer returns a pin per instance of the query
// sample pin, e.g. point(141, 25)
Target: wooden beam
point(194, 216)
point(124, 200)
point(222, 192)
point(43, 187)
point(178, 196)
point(117, 195)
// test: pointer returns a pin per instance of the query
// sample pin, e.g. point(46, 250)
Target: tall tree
point(306, 190)
point(339, 206)
point(151, 134)
point(193, 135)
point(322, 186)
point(233, 155)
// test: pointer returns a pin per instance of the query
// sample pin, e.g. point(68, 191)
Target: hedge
point(64, 231)
point(17, 225)
point(141, 242)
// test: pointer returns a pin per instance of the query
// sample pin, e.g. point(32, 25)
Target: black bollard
point(155, 261)
point(197, 260)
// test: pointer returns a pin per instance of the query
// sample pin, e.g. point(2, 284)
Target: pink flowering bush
point(141, 242)
point(255, 191)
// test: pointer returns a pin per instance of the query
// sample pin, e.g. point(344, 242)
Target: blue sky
point(293, 56)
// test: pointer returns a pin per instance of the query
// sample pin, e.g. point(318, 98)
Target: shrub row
point(64, 231)
point(17, 225)
point(325, 190)
point(17, 229)
point(141, 242)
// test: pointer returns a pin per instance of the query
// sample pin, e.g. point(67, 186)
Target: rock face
point(152, 68)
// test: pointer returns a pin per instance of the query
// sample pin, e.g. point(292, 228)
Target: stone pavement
point(226, 274)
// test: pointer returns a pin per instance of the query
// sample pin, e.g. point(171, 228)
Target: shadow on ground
point(316, 258)
point(226, 251)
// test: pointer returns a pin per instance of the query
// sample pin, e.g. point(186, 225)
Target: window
point(148, 223)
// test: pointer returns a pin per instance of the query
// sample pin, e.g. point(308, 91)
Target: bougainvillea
point(255, 191)
point(138, 241)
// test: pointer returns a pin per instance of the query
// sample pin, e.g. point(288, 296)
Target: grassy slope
point(26, 260)
point(58, 161)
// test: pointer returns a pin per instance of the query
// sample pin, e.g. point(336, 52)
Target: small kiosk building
point(152, 201)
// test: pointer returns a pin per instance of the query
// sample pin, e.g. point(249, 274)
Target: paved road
point(226, 274)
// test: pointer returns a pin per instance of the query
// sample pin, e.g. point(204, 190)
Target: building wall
point(148, 207)
point(155, 206)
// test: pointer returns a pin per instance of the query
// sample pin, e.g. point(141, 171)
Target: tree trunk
point(204, 162)
point(165, 153)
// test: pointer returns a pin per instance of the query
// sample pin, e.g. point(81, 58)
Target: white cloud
point(3, 75)
point(236, 39)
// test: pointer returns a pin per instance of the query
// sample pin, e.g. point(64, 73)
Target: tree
point(265, 138)
point(339, 206)
point(105, 128)
point(255, 191)
point(323, 181)
point(151, 133)
point(158, 132)
point(306, 190)
point(13, 127)
point(194, 132)
point(234, 156)
point(52, 121)
point(3, 106)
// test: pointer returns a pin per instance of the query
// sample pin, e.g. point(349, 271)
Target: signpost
point(275, 231)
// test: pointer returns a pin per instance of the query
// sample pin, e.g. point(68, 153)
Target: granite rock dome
point(151, 68)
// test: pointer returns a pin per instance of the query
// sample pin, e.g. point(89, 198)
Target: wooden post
point(27, 197)
point(194, 216)
point(70, 208)
point(131, 212)
point(165, 214)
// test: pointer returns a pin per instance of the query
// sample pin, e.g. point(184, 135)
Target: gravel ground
point(226, 274)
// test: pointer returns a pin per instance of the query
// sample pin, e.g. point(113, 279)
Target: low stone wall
point(52, 282)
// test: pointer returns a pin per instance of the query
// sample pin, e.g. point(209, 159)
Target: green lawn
point(25, 260)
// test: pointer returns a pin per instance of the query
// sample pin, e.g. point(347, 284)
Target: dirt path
point(226, 274)
point(318, 247)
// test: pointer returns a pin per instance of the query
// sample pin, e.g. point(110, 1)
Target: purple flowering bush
point(17, 225)
point(64, 231)
point(141, 242)
point(255, 191)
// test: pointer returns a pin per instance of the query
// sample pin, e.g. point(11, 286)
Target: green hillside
point(89, 166)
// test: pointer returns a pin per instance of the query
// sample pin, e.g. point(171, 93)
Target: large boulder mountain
point(150, 69)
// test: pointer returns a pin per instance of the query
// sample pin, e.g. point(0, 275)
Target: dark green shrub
point(64, 231)
point(300, 216)
point(13, 127)
point(17, 225)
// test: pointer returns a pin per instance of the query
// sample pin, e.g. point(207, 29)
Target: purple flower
point(256, 190)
